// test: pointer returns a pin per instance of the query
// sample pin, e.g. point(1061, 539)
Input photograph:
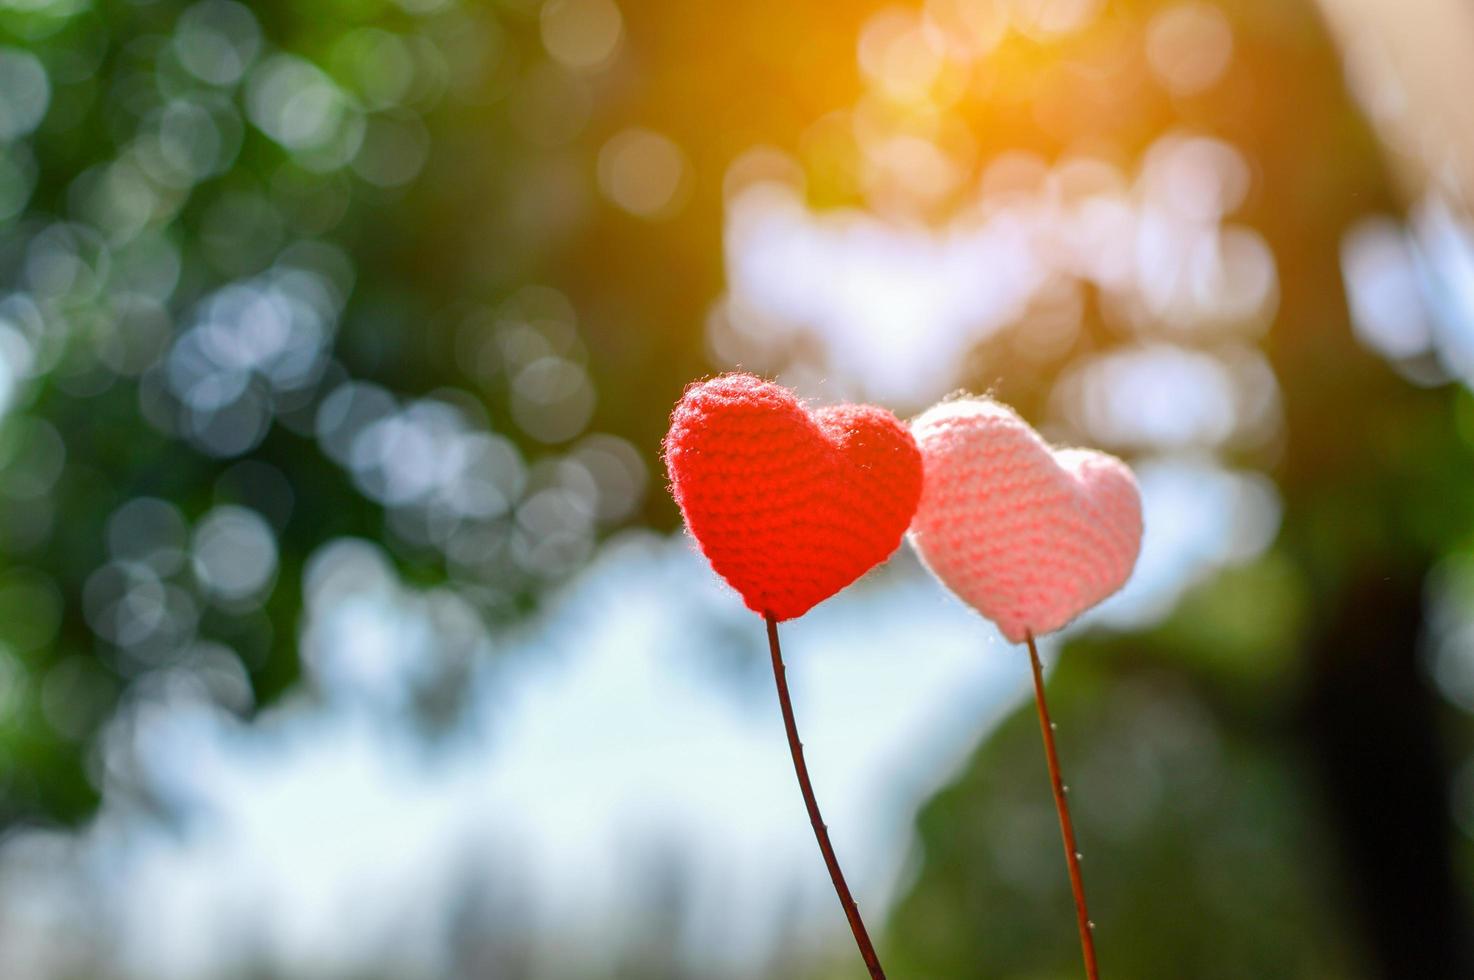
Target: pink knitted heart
point(1030, 537)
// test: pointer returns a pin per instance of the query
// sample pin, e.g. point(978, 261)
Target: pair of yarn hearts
point(791, 505)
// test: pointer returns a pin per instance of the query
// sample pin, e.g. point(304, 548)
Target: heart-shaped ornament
point(789, 505)
point(1029, 536)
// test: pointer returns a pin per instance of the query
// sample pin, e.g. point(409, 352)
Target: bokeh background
point(346, 630)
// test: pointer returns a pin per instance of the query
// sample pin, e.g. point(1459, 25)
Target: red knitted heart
point(789, 506)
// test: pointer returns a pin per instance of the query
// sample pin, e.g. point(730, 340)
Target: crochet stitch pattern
point(788, 505)
point(1029, 536)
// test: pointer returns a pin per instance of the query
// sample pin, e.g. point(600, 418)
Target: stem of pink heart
point(821, 832)
point(1066, 826)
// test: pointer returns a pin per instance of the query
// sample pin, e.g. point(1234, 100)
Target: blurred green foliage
point(189, 147)
point(1201, 856)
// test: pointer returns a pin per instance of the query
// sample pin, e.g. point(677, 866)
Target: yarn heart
point(1029, 536)
point(788, 505)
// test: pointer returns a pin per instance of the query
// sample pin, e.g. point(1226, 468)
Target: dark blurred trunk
point(1371, 723)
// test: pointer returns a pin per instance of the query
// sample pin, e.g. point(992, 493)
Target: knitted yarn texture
point(1029, 536)
point(789, 505)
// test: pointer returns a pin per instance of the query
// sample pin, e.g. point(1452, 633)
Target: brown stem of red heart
point(821, 832)
point(1066, 826)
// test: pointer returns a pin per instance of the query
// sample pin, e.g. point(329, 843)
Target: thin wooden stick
point(1067, 828)
point(821, 833)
